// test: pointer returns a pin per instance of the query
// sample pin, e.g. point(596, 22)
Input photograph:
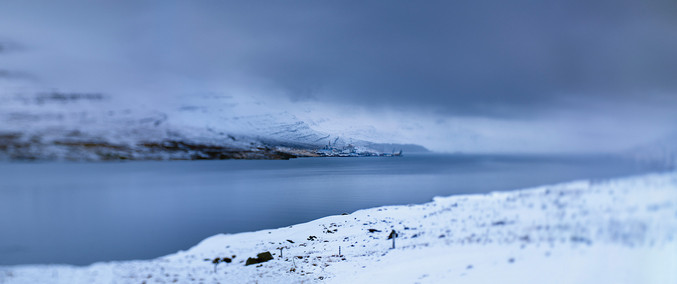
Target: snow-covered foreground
point(617, 231)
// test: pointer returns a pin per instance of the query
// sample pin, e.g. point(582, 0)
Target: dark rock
point(265, 256)
point(261, 257)
point(251, 261)
point(374, 230)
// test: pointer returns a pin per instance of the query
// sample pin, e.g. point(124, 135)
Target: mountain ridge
point(94, 126)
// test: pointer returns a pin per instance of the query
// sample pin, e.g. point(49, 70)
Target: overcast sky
point(487, 76)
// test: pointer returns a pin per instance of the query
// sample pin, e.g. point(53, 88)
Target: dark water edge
point(79, 213)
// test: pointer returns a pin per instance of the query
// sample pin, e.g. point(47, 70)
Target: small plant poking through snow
point(218, 260)
point(393, 236)
point(216, 263)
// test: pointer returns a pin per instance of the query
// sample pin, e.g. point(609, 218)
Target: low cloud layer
point(519, 63)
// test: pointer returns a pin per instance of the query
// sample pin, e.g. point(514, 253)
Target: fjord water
point(79, 213)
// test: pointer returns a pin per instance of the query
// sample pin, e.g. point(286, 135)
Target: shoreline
point(619, 227)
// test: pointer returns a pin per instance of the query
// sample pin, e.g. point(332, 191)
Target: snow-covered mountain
point(38, 124)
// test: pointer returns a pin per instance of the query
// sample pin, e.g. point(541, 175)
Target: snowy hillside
point(38, 124)
point(617, 231)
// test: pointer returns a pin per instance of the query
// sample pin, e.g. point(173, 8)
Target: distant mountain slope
point(94, 126)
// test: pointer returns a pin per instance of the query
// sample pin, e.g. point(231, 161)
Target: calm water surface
point(79, 213)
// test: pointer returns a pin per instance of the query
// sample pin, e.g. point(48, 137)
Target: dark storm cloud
point(474, 57)
point(480, 58)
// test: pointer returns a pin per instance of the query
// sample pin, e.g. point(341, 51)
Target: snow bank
point(617, 231)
